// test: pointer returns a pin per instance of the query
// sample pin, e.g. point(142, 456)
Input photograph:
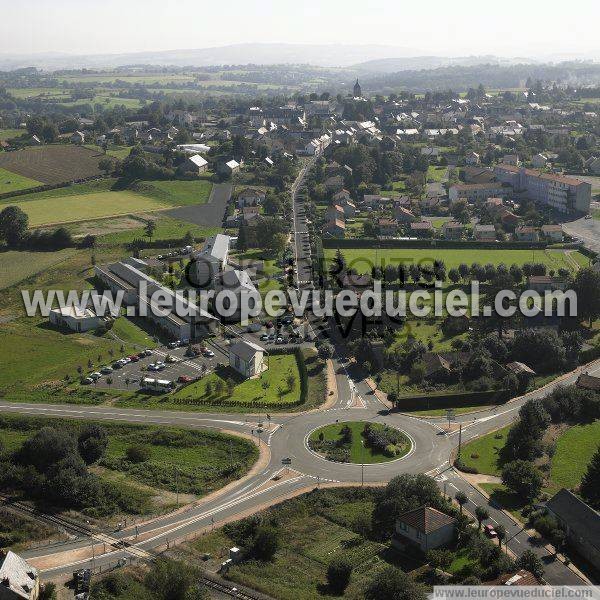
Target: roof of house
point(581, 518)
point(216, 247)
point(421, 225)
point(198, 160)
point(519, 367)
point(426, 519)
point(19, 575)
point(521, 577)
point(482, 228)
point(245, 350)
point(588, 382)
point(548, 228)
point(237, 279)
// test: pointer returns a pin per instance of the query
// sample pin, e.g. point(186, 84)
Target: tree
point(523, 478)
point(173, 580)
point(590, 484)
point(393, 584)
point(92, 443)
point(462, 499)
point(150, 228)
point(454, 276)
point(265, 543)
point(501, 533)
point(13, 225)
point(439, 559)
point(48, 591)
point(587, 288)
point(46, 448)
point(339, 572)
point(531, 562)
point(481, 514)
point(326, 350)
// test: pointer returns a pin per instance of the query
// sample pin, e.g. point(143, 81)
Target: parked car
point(95, 375)
point(171, 359)
point(125, 360)
point(134, 358)
point(106, 370)
point(265, 337)
point(146, 352)
point(87, 381)
point(117, 365)
point(184, 379)
point(172, 345)
point(208, 353)
point(152, 367)
point(490, 531)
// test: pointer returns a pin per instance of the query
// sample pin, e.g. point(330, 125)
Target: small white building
point(74, 318)
point(247, 358)
point(18, 579)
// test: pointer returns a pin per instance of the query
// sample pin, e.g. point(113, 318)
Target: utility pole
point(362, 464)
point(177, 485)
point(459, 439)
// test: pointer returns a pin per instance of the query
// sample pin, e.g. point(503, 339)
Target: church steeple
point(357, 90)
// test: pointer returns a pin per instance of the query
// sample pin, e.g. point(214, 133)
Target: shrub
point(137, 454)
point(339, 572)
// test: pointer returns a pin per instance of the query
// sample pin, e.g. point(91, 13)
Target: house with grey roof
point(18, 579)
point(210, 261)
point(423, 528)
point(247, 358)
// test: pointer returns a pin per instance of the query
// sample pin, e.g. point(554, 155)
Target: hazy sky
point(458, 27)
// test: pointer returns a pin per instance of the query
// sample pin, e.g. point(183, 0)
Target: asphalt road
point(587, 230)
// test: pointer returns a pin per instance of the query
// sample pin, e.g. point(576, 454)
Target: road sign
point(286, 461)
point(450, 414)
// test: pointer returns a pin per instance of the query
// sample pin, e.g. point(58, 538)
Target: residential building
point(18, 579)
point(588, 382)
point(247, 358)
point(539, 161)
point(478, 175)
point(453, 230)
point(239, 282)
point(544, 283)
point(250, 197)
point(335, 228)
point(527, 234)
point(250, 214)
point(553, 233)
point(511, 159)
point(593, 165)
point(563, 194)
point(485, 233)
point(230, 167)
point(78, 138)
point(196, 163)
point(422, 229)
point(403, 215)
point(520, 578)
point(334, 212)
point(387, 227)
point(473, 192)
point(423, 528)
point(472, 158)
point(580, 522)
point(349, 208)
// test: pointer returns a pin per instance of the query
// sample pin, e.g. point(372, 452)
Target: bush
point(339, 572)
point(137, 454)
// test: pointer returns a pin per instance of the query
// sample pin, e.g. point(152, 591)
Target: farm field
point(313, 529)
point(52, 164)
point(16, 266)
point(181, 193)
point(362, 259)
point(12, 182)
point(86, 206)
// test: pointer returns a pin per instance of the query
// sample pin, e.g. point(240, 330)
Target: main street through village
point(287, 466)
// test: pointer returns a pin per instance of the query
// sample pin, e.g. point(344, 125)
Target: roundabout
point(359, 442)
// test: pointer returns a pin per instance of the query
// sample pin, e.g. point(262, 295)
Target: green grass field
point(360, 451)
point(362, 259)
point(87, 206)
point(6, 134)
point(270, 388)
point(18, 266)
point(482, 453)
point(182, 193)
point(11, 182)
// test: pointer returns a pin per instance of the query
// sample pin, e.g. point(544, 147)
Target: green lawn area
point(203, 460)
point(119, 152)
point(11, 182)
point(15, 266)
point(127, 330)
point(436, 173)
point(313, 529)
point(6, 134)
point(360, 451)
point(574, 450)
point(363, 259)
point(482, 453)
point(269, 261)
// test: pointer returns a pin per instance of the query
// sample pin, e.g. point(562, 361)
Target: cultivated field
point(12, 182)
point(53, 164)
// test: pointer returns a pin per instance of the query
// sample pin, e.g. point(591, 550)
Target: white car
point(95, 375)
point(172, 345)
point(125, 360)
point(209, 353)
point(152, 367)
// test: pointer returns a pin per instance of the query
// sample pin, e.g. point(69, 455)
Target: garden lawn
point(270, 388)
point(11, 182)
point(362, 259)
point(574, 450)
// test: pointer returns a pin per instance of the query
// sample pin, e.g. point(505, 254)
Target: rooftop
point(426, 519)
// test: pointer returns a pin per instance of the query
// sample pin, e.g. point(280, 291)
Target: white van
point(156, 385)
